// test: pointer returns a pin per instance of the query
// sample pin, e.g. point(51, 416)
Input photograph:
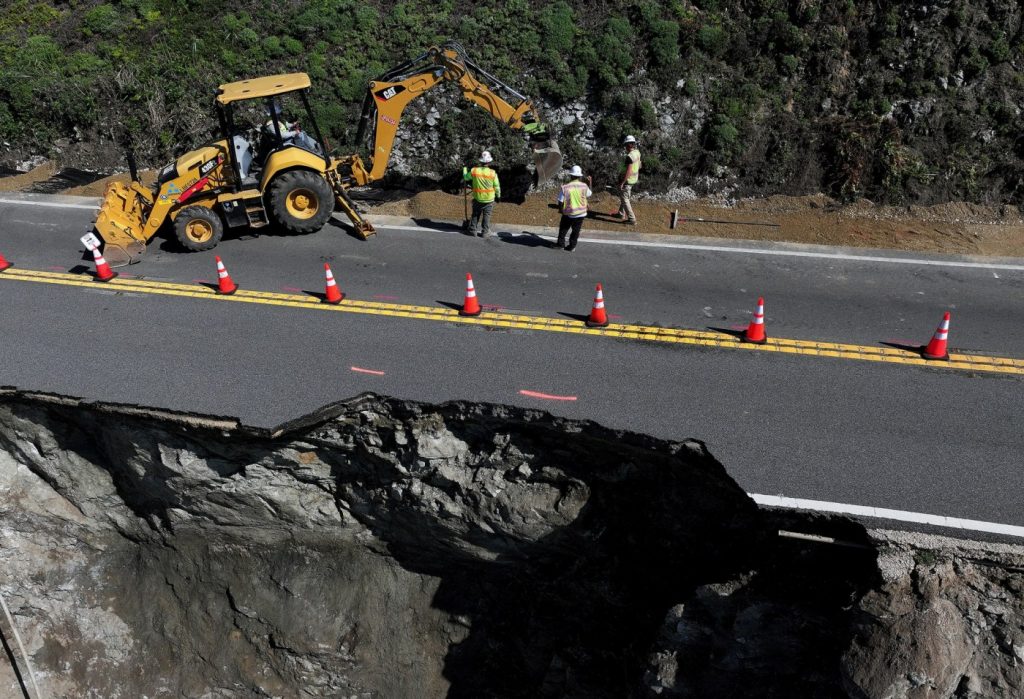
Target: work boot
point(570, 248)
point(560, 243)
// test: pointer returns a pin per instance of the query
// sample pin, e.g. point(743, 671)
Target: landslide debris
point(383, 548)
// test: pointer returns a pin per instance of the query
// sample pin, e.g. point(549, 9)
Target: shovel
point(465, 203)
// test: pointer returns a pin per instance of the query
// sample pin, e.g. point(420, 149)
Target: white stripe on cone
point(759, 314)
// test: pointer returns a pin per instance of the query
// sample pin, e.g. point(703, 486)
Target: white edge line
point(52, 204)
point(761, 251)
point(884, 513)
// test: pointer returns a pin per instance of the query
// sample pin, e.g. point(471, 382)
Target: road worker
point(290, 133)
point(629, 175)
point(572, 202)
point(486, 190)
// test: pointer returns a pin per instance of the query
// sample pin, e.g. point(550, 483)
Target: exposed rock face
point(390, 549)
point(953, 625)
point(385, 549)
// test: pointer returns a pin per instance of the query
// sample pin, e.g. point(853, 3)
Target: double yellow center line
point(964, 362)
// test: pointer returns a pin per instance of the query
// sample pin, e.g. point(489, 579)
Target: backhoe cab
point(264, 169)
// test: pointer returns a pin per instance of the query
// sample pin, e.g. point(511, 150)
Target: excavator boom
point(389, 95)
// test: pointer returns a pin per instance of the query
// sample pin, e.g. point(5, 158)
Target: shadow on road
point(526, 238)
point(738, 334)
point(443, 225)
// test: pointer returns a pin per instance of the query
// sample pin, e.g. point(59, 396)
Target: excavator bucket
point(121, 221)
point(547, 160)
point(547, 156)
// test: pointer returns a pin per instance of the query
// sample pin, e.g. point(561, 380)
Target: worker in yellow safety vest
point(572, 202)
point(486, 190)
point(629, 175)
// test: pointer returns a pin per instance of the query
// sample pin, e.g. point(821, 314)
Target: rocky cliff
point(894, 101)
point(390, 549)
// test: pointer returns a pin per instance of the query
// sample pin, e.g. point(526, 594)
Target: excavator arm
point(389, 95)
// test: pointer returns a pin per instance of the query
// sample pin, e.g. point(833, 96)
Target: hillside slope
point(891, 101)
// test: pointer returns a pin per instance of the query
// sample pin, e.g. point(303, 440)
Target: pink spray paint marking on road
point(385, 297)
point(292, 289)
point(545, 396)
point(367, 371)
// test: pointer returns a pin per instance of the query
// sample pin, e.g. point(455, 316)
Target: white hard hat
point(485, 157)
point(575, 171)
point(628, 139)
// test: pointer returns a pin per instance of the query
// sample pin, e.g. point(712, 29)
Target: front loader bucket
point(547, 160)
point(120, 224)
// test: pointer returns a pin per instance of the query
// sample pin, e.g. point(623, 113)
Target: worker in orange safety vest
point(486, 191)
point(572, 202)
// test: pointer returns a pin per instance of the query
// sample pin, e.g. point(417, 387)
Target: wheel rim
point(302, 203)
point(198, 230)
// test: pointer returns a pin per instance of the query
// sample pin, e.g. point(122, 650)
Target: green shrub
point(713, 39)
point(614, 52)
point(272, 46)
point(663, 47)
point(723, 135)
point(999, 49)
point(292, 45)
point(558, 27)
point(103, 20)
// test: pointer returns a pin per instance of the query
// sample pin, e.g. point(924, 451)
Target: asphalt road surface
point(880, 434)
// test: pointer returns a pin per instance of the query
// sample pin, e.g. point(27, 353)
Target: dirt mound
point(97, 188)
point(65, 179)
point(25, 181)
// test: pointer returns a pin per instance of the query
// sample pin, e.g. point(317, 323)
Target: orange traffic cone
point(225, 285)
point(333, 294)
point(471, 307)
point(755, 333)
point(4, 264)
point(598, 318)
point(936, 349)
point(103, 271)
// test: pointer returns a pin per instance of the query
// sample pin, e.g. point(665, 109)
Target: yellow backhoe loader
point(277, 173)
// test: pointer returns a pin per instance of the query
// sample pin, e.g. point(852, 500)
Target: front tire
point(300, 201)
point(198, 228)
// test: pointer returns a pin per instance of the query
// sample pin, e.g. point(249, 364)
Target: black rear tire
point(198, 228)
point(300, 201)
